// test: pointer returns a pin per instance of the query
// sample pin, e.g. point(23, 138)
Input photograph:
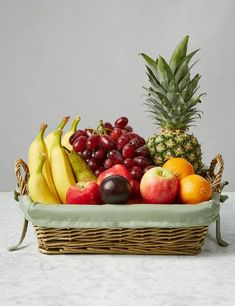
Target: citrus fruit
point(179, 166)
point(194, 189)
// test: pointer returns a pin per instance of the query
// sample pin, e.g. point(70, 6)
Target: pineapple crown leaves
point(171, 96)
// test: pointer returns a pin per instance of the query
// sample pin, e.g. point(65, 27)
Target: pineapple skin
point(175, 143)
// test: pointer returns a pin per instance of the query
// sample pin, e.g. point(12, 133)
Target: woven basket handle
point(215, 177)
point(215, 180)
point(22, 176)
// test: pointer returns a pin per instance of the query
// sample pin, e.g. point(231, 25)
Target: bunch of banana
point(39, 190)
point(61, 168)
point(35, 151)
point(50, 138)
point(54, 166)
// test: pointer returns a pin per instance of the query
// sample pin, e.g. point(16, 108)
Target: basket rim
point(121, 216)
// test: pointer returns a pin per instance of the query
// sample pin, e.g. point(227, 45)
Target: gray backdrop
point(81, 58)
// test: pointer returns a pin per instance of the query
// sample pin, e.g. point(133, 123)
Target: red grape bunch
point(108, 145)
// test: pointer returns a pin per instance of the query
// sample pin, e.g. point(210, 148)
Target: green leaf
point(157, 88)
point(155, 91)
point(156, 85)
point(183, 68)
point(160, 99)
point(172, 89)
point(164, 73)
point(150, 63)
point(190, 90)
point(151, 75)
point(193, 102)
point(184, 82)
point(179, 54)
point(158, 111)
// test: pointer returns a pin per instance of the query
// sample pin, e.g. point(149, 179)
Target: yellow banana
point(65, 138)
point(50, 138)
point(36, 148)
point(61, 168)
point(39, 190)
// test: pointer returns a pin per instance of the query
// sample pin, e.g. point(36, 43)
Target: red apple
point(158, 186)
point(83, 193)
point(115, 170)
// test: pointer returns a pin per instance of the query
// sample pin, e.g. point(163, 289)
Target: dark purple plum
point(115, 189)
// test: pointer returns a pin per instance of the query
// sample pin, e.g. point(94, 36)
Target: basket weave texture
point(165, 241)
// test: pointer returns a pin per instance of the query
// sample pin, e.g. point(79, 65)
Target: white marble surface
point(30, 278)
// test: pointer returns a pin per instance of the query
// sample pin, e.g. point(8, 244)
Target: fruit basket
point(112, 165)
point(181, 228)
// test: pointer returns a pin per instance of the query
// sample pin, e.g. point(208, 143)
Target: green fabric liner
point(113, 216)
point(127, 216)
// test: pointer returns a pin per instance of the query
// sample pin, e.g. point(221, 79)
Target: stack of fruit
point(113, 164)
point(59, 173)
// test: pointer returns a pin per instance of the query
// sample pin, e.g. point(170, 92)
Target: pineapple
point(172, 102)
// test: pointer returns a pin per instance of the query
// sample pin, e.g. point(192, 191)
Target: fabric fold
point(127, 216)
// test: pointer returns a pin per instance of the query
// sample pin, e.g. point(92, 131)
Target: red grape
point(136, 172)
point(142, 151)
point(87, 154)
point(128, 128)
point(116, 133)
point(128, 151)
point(135, 188)
point(121, 122)
point(107, 142)
point(115, 156)
point(128, 163)
point(148, 167)
point(135, 142)
point(121, 142)
point(94, 164)
point(143, 161)
point(112, 144)
point(126, 136)
point(99, 170)
point(108, 126)
point(79, 144)
point(93, 141)
point(142, 141)
point(75, 135)
point(100, 153)
point(88, 132)
point(108, 163)
point(133, 135)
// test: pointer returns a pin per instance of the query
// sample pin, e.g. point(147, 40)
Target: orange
point(179, 166)
point(194, 189)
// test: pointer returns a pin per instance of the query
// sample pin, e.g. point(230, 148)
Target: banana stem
point(63, 122)
point(58, 134)
point(41, 132)
point(75, 124)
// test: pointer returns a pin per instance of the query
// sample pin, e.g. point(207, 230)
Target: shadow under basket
point(121, 240)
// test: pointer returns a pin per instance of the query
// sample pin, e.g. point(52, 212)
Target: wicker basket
point(185, 241)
